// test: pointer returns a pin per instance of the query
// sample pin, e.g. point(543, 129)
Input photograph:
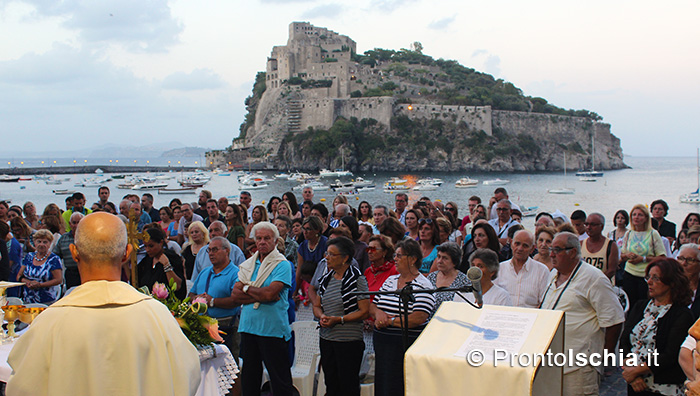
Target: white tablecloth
point(219, 370)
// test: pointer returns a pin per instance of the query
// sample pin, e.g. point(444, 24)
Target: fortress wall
point(322, 113)
point(476, 117)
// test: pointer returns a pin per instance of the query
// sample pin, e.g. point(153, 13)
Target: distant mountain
point(164, 149)
point(185, 152)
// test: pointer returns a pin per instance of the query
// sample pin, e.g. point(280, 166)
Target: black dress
point(149, 275)
point(189, 260)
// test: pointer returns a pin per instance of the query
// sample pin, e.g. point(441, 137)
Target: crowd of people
point(257, 266)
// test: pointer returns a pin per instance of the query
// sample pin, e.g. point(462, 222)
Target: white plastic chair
point(306, 356)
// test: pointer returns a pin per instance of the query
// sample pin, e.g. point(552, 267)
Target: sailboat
point(693, 197)
point(563, 190)
point(591, 172)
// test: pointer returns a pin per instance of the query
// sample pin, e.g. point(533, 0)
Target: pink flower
point(200, 300)
point(213, 329)
point(160, 291)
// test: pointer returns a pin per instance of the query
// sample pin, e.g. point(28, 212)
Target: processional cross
point(133, 235)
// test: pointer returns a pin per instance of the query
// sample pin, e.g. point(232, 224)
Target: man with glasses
point(215, 285)
point(202, 261)
point(401, 202)
point(599, 250)
point(594, 315)
point(503, 221)
point(188, 216)
point(71, 275)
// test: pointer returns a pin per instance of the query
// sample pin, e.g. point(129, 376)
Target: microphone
point(474, 275)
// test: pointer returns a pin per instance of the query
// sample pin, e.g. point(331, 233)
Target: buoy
point(577, 204)
point(323, 199)
point(357, 198)
point(263, 202)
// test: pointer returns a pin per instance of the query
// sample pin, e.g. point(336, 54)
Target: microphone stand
point(406, 294)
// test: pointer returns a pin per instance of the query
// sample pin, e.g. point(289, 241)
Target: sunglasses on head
point(425, 221)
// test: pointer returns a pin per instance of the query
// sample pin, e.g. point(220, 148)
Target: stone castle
point(322, 60)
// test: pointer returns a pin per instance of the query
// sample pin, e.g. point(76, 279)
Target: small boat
point(183, 190)
point(369, 187)
point(496, 182)
point(425, 187)
point(466, 182)
point(254, 186)
point(126, 186)
point(529, 211)
point(693, 197)
point(563, 190)
point(53, 181)
point(149, 186)
point(8, 179)
point(25, 178)
point(315, 185)
point(282, 176)
point(360, 182)
point(64, 192)
point(431, 181)
point(588, 179)
point(591, 172)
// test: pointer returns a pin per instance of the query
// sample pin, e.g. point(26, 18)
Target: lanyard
point(206, 288)
point(568, 282)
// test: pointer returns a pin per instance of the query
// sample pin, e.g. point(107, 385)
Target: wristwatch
point(245, 289)
point(211, 302)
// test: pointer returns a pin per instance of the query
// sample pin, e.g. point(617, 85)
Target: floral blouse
point(643, 341)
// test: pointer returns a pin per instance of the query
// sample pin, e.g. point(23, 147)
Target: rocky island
point(319, 104)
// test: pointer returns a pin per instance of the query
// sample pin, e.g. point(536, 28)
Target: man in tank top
point(599, 250)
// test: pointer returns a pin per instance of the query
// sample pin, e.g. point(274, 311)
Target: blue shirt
point(428, 261)
point(220, 286)
point(270, 319)
point(202, 260)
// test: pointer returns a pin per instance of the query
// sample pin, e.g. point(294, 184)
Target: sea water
point(648, 178)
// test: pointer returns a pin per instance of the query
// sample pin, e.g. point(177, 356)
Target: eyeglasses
point(592, 224)
point(450, 208)
point(372, 249)
point(306, 229)
point(557, 250)
point(214, 249)
point(688, 260)
point(397, 256)
point(502, 209)
point(425, 221)
point(329, 254)
point(654, 278)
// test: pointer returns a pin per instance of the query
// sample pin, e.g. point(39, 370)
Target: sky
point(76, 74)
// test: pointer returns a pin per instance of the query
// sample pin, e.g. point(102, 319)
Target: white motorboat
point(183, 190)
point(588, 179)
point(254, 186)
point(430, 180)
point(315, 185)
point(425, 187)
point(466, 182)
point(149, 186)
point(496, 182)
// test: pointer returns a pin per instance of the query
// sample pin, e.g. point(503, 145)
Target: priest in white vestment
point(105, 338)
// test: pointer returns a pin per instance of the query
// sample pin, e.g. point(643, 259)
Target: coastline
point(81, 169)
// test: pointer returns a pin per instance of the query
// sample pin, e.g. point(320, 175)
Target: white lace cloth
point(219, 371)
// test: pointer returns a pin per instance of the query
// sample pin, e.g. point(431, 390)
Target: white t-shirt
point(494, 296)
point(526, 288)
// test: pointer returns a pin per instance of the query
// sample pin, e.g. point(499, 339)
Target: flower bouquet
point(200, 329)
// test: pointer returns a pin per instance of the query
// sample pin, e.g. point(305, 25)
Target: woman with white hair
point(487, 261)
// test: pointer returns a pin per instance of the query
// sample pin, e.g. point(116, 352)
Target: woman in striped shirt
point(388, 340)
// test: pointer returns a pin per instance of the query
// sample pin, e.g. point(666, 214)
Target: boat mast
point(593, 151)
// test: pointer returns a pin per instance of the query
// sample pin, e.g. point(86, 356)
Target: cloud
point(196, 80)
point(442, 24)
point(491, 63)
point(323, 11)
point(390, 5)
point(69, 99)
point(284, 1)
point(138, 25)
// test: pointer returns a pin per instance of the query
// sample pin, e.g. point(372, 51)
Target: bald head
point(100, 240)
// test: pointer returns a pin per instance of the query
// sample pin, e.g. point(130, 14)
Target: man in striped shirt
point(524, 278)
